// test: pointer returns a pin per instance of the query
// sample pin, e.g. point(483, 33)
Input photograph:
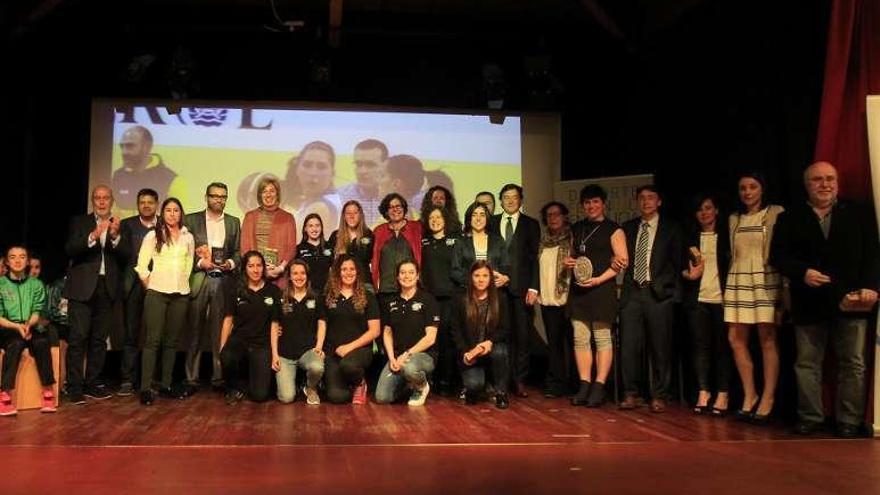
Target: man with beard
point(141, 168)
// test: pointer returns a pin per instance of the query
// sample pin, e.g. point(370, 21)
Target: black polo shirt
point(408, 319)
point(253, 312)
point(299, 326)
point(319, 258)
point(344, 322)
point(362, 251)
point(437, 265)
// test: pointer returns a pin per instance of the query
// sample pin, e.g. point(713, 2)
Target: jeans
point(285, 378)
point(340, 374)
point(164, 316)
point(259, 360)
point(848, 338)
point(474, 376)
point(413, 374)
point(711, 349)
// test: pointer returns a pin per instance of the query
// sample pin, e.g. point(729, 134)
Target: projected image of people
point(308, 185)
point(141, 168)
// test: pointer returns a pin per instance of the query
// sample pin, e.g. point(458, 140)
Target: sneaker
point(6, 406)
point(359, 397)
point(48, 401)
point(463, 394)
point(234, 396)
point(98, 392)
point(125, 389)
point(76, 398)
point(312, 397)
point(419, 395)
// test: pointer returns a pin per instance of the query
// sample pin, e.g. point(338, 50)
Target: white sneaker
point(312, 397)
point(419, 396)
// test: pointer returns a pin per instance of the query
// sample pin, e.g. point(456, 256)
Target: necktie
point(508, 230)
point(640, 270)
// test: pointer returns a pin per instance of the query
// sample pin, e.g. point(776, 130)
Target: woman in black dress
point(593, 302)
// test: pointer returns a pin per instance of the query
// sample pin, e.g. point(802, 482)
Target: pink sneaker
point(6, 406)
point(359, 397)
point(48, 401)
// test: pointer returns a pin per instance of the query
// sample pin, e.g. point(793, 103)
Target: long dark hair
point(242, 285)
point(334, 284)
point(450, 216)
point(470, 211)
point(472, 309)
point(448, 226)
point(305, 237)
point(163, 233)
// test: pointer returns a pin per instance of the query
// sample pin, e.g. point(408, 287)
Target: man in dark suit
point(828, 250)
point(133, 229)
point(91, 288)
point(217, 239)
point(521, 234)
point(650, 288)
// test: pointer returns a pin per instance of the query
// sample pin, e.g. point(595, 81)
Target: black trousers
point(13, 345)
point(711, 349)
point(89, 326)
point(446, 373)
point(259, 360)
point(521, 317)
point(559, 347)
point(341, 374)
point(474, 376)
point(134, 314)
point(646, 326)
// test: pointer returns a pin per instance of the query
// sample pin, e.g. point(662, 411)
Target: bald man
point(828, 249)
point(141, 168)
point(90, 289)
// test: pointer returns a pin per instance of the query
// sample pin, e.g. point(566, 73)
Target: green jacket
point(19, 299)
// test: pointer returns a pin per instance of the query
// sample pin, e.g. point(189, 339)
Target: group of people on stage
point(452, 302)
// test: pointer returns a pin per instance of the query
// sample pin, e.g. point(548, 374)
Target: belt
point(642, 285)
point(215, 274)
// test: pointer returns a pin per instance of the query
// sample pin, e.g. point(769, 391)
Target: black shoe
point(147, 397)
point(807, 428)
point(743, 415)
point(190, 390)
point(597, 395)
point(172, 392)
point(98, 392)
point(470, 398)
point(845, 430)
point(125, 389)
point(501, 401)
point(76, 398)
point(234, 396)
point(553, 392)
point(581, 396)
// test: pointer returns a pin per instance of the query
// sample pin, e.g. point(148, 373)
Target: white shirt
point(652, 233)
point(103, 240)
point(171, 267)
point(547, 276)
point(514, 220)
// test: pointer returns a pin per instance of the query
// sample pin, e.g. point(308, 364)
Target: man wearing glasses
point(370, 156)
point(217, 237)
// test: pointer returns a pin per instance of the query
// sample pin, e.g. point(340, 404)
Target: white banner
point(874, 147)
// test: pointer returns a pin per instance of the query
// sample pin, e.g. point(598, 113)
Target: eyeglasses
point(218, 196)
point(395, 207)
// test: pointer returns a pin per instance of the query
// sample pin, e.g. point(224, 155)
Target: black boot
point(597, 395)
point(580, 398)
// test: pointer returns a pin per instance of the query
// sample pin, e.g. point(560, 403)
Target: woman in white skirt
point(752, 295)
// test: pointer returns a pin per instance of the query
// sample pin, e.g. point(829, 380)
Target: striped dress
point(754, 288)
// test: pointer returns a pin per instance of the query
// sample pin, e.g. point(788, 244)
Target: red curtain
point(852, 71)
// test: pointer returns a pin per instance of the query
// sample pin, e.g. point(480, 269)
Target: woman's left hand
point(276, 363)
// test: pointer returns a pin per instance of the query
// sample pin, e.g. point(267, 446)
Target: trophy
point(583, 269)
point(271, 256)
point(217, 256)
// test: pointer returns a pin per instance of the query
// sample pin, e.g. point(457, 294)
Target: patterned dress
point(753, 290)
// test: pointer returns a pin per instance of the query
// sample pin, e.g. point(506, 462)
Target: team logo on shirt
point(417, 306)
point(287, 308)
point(332, 305)
point(365, 240)
point(269, 301)
point(327, 252)
point(392, 306)
point(310, 304)
point(437, 318)
point(240, 300)
point(450, 242)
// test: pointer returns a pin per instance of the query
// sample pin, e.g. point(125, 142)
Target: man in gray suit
point(216, 236)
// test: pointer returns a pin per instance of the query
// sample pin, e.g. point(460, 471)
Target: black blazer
point(464, 338)
point(522, 252)
point(463, 257)
point(850, 257)
point(690, 289)
point(197, 225)
point(86, 261)
point(133, 233)
point(665, 259)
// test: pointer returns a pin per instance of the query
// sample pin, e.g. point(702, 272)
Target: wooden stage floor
point(537, 446)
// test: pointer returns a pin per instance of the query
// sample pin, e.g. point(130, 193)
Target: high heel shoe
point(747, 415)
point(761, 419)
